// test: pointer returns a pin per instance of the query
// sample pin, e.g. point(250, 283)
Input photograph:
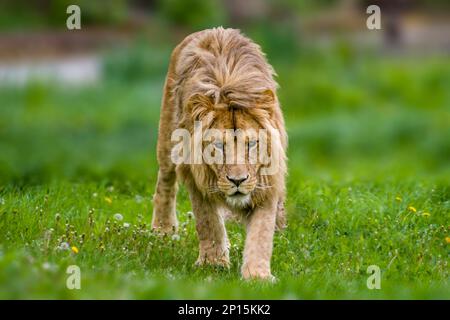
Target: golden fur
point(222, 78)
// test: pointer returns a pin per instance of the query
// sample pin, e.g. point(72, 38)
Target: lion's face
point(236, 179)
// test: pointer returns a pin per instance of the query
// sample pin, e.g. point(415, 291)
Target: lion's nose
point(237, 180)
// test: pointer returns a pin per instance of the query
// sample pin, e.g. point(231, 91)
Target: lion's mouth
point(238, 194)
point(238, 199)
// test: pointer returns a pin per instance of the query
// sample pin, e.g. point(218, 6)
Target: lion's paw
point(221, 261)
point(257, 274)
point(164, 228)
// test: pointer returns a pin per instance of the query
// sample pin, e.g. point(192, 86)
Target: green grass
point(369, 137)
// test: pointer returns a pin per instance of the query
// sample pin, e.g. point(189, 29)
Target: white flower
point(46, 266)
point(126, 225)
point(118, 217)
point(95, 194)
point(190, 214)
point(49, 266)
point(170, 276)
point(64, 246)
point(175, 237)
point(138, 198)
point(2, 201)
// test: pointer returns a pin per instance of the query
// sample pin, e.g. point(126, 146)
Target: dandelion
point(399, 199)
point(108, 200)
point(447, 239)
point(63, 246)
point(47, 266)
point(118, 217)
point(412, 209)
point(170, 276)
point(126, 225)
point(175, 237)
point(138, 198)
point(426, 214)
point(75, 249)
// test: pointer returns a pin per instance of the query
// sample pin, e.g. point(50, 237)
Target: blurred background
point(84, 104)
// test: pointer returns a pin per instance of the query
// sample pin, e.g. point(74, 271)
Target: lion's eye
point(218, 145)
point(252, 143)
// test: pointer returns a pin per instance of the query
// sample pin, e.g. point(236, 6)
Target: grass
point(368, 185)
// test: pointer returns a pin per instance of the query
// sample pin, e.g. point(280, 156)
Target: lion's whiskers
point(212, 190)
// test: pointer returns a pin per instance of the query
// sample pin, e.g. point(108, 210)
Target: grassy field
point(369, 184)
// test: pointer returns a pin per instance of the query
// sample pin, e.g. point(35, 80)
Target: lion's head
point(235, 178)
point(235, 153)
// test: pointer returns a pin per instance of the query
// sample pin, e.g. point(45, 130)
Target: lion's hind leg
point(281, 216)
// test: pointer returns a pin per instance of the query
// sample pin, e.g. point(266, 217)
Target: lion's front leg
point(211, 232)
point(259, 242)
point(164, 202)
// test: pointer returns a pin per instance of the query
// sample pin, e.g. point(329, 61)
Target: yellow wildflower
point(412, 209)
point(108, 199)
point(398, 199)
point(426, 214)
point(447, 239)
point(75, 249)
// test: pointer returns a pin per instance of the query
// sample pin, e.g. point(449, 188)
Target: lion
point(220, 79)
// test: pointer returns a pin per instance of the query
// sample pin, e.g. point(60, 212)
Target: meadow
point(369, 184)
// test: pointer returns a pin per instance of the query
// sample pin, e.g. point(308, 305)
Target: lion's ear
point(267, 97)
point(199, 105)
point(198, 100)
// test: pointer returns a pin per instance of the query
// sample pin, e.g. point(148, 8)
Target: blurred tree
point(243, 11)
point(53, 12)
point(92, 12)
point(196, 14)
point(391, 13)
